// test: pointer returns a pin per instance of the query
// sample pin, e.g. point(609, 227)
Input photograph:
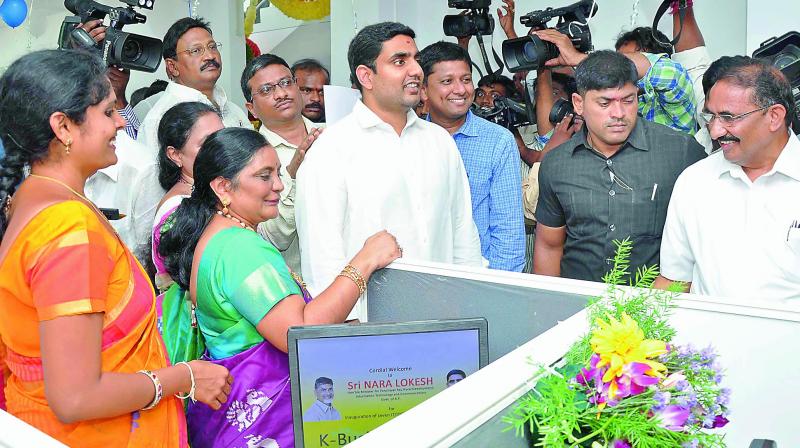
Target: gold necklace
point(235, 219)
point(63, 184)
point(184, 181)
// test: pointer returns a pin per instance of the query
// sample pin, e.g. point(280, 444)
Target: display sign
point(349, 379)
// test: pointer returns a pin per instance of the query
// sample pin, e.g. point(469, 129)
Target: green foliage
point(557, 411)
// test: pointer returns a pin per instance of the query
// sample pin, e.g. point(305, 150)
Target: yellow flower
point(304, 9)
point(620, 343)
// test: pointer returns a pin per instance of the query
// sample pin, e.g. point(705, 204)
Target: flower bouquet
point(625, 384)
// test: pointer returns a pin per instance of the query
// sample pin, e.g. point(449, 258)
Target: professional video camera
point(506, 112)
point(120, 49)
point(784, 53)
point(530, 52)
point(476, 22)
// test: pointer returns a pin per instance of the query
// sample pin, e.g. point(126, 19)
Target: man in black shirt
point(609, 182)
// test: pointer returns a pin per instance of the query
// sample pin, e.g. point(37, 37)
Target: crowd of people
point(245, 232)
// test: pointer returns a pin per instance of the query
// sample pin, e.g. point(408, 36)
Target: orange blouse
point(65, 262)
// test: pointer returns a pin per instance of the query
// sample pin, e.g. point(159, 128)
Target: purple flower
point(719, 421)
point(672, 417)
point(694, 443)
point(661, 399)
point(619, 443)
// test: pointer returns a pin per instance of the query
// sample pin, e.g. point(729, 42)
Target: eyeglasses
point(728, 119)
point(269, 89)
point(199, 51)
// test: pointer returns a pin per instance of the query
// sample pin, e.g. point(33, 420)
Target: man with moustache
point(488, 150)
point(194, 65)
point(382, 167)
point(611, 181)
point(733, 226)
point(274, 98)
point(311, 76)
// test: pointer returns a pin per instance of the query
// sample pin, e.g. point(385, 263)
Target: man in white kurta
point(194, 65)
point(381, 167)
point(733, 225)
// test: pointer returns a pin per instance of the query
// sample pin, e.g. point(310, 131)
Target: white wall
point(724, 33)
point(293, 39)
point(770, 19)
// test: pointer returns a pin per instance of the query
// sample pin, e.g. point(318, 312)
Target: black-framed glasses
point(200, 50)
point(268, 89)
point(728, 119)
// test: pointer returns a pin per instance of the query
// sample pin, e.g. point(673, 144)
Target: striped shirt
point(131, 121)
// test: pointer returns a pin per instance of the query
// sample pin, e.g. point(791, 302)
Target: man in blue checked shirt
point(666, 94)
point(489, 152)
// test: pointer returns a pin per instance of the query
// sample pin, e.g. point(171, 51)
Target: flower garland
point(304, 9)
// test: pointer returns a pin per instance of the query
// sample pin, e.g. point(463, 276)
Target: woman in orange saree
point(77, 312)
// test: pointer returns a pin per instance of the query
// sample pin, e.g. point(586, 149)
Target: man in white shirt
point(194, 65)
point(733, 225)
point(273, 96)
point(131, 187)
point(382, 167)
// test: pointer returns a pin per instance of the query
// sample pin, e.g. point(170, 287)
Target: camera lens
point(527, 53)
point(561, 108)
point(131, 50)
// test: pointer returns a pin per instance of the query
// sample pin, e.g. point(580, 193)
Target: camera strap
point(660, 12)
point(497, 59)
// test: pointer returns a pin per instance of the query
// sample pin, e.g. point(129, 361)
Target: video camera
point(476, 22)
point(120, 49)
point(784, 53)
point(506, 112)
point(531, 52)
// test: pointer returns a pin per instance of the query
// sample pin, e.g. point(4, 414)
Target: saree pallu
point(259, 408)
point(176, 322)
point(66, 262)
point(240, 277)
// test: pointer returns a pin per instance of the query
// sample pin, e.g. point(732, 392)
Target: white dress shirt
point(281, 231)
point(732, 237)
point(361, 177)
point(232, 115)
point(131, 186)
point(695, 61)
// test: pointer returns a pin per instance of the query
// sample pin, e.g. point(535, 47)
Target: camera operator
point(119, 80)
point(487, 149)
point(667, 94)
point(611, 181)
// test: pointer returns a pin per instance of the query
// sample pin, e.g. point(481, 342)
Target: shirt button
point(608, 162)
point(612, 192)
point(612, 227)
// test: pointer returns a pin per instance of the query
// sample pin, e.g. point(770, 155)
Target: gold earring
point(225, 203)
point(67, 146)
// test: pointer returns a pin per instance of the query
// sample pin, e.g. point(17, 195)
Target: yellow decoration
point(304, 9)
point(619, 343)
point(250, 18)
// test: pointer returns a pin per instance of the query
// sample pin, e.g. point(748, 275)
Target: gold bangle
point(354, 274)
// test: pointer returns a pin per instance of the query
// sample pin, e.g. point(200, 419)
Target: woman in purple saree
point(246, 298)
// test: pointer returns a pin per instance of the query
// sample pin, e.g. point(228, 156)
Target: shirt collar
point(366, 118)
point(787, 163)
point(187, 93)
point(636, 139)
point(470, 126)
point(276, 140)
